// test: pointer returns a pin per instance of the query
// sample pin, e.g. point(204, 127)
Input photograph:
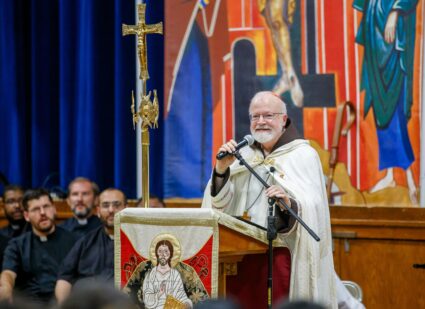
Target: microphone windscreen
point(249, 139)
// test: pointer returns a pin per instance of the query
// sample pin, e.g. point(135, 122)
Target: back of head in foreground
point(299, 304)
point(99, 296)
point(217, 304)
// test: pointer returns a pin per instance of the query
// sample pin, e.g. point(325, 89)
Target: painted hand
point(390, 27)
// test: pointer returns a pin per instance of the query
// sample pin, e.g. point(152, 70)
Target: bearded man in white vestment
point(163, 280)
point(293, 170)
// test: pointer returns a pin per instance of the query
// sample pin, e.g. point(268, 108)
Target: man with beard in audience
point(92, 257)
point(12, 199)
point(82, 198)
point(31, 261)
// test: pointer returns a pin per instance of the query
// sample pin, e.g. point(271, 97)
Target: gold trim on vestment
point(169, 222)
point(215, 259)
point(117, 250)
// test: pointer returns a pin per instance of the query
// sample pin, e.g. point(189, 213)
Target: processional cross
point(148, 111)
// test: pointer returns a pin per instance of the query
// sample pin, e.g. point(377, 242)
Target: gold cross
point(141, 30)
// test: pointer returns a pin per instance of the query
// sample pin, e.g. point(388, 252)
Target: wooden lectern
point(234, 245)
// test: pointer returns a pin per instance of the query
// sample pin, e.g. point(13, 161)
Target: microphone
point(247, 140)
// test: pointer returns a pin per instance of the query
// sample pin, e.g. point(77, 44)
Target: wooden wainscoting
point(381, 249)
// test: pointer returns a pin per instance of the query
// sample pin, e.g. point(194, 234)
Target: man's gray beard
point(82, 214)
point(262, 137)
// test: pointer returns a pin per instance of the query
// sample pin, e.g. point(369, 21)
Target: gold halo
point(176, 246)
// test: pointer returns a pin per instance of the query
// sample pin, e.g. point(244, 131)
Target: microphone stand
point(271, 226)
point(271, 235)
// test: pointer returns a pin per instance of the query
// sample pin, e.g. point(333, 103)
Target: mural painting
point(317, 55)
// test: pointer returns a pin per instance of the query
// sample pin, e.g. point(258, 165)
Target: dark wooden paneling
point(377, 247)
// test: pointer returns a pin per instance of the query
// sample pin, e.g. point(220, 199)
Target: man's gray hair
point(94, 186)
point(264, 96)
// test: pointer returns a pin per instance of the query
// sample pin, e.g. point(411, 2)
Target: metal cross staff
point(148, 111)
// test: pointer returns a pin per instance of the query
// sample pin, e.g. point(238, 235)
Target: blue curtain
point(155, 43)
point(66, 75)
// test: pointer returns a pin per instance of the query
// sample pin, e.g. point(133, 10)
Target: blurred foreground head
point(217, 304)
point(299, 304)
point(97, 296)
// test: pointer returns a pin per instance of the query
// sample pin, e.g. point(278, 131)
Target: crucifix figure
point(141, 30)
point(148, 111)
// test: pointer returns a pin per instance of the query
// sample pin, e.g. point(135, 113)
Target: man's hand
point(62, 290)
point(278, 192)
point(222, 165)
point(5, 294)
point(7, 282)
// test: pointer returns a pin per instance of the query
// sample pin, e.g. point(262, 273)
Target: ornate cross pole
point(148, 111)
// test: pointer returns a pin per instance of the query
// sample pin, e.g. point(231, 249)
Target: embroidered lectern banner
point(166, 257)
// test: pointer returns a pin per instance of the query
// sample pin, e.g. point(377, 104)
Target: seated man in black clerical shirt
point(12, 199)
point(92, 257)
point(31, 261)
point(82, 198)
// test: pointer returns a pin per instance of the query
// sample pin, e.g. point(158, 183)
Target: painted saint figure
point(163, 281)
point(279, 16)
point(387, 33)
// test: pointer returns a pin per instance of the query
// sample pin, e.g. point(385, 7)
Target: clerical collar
point(15, 227)
point(45, 238)
point(82, 221)
point(111, 236)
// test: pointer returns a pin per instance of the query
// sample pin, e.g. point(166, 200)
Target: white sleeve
point(224, 197)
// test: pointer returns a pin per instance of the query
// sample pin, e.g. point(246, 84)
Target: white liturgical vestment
point(298, 170)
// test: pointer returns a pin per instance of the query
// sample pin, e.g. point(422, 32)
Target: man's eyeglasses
point(11, 201)
point(115, 205)
point(37, 210)
point(266, 117)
